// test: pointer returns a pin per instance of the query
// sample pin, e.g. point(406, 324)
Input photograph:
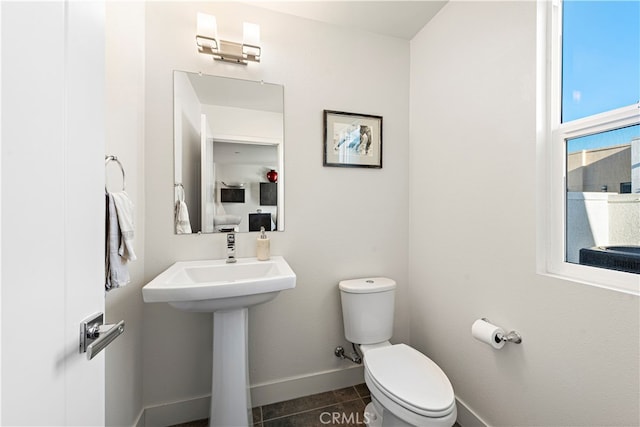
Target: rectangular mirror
point(229, 154)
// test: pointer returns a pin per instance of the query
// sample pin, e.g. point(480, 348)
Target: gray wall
point(473, 184)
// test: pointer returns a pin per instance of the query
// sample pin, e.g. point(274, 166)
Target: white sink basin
point(212, 285)
point(227, 291)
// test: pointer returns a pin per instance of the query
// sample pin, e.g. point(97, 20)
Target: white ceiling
point(401, 19)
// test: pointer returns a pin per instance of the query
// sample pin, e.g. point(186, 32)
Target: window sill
point(617, 281)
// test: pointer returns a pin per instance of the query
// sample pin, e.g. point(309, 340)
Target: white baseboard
point(261, 394)
point(468, 418)
point(140, 420)
point(177, 412)
point(304, 385)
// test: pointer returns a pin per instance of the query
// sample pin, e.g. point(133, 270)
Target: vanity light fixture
point(224, 50)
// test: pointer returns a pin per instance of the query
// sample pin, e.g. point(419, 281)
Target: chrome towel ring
point(108, 159)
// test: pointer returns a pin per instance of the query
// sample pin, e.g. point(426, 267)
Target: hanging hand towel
point(183, 226)
point(124, 208)
point(116, 270)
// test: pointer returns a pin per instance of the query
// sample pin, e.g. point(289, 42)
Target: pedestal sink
point(227, 291)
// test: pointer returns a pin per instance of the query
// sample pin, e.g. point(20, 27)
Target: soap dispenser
point(262, 248)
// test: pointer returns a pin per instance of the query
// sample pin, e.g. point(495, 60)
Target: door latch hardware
point(95, 335)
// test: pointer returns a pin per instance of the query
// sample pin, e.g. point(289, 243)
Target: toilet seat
point(410, 379)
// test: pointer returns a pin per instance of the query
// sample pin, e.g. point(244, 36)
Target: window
point(589, 134)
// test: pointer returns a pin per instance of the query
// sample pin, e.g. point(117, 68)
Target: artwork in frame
point(352, 140)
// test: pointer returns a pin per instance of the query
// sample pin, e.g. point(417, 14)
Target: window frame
point(552, 156)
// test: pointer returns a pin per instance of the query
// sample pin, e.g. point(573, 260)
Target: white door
point(52, 221)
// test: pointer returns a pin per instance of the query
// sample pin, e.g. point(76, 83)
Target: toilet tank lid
point(367, 285)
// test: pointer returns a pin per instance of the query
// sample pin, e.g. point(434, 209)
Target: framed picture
point(352, 140)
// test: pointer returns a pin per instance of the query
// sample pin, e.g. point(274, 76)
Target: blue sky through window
point(605, 139)
point(600, 62)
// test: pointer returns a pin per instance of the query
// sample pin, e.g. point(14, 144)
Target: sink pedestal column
point(230, 395)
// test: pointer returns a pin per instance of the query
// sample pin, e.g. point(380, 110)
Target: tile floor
point(343, 407)
point(346, 405)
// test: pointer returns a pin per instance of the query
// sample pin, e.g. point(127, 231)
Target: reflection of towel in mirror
point(116, 270)
point(183, 226)
point(124, 208)
point(226, 220)
point(219, 209)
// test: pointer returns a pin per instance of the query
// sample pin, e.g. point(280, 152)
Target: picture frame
point(352, 140)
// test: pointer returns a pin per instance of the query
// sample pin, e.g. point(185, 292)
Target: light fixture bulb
point(227, 50)
point(207, 34)
point(251, 39)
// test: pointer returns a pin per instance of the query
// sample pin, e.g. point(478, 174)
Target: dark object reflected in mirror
point(260, 220)
point(229, 153)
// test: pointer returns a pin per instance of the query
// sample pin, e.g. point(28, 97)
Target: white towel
point(226, 220)
point(183, 226)
point(124, 208)
point(116, 270)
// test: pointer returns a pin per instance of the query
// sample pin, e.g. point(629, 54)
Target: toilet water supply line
point(354, 357)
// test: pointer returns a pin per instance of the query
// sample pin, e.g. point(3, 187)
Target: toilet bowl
point(407, 388)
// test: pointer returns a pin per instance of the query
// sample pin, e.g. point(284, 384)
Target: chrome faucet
point(231, 244)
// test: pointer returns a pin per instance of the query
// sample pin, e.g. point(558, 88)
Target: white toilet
point(407, 388)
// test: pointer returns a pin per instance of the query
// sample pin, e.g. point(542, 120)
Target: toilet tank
point(367, 309)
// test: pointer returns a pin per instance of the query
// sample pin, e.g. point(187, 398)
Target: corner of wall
point(125, 51)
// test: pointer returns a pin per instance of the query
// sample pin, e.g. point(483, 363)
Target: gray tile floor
point(343, 407)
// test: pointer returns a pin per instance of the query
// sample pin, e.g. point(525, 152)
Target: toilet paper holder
point(512, 336)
